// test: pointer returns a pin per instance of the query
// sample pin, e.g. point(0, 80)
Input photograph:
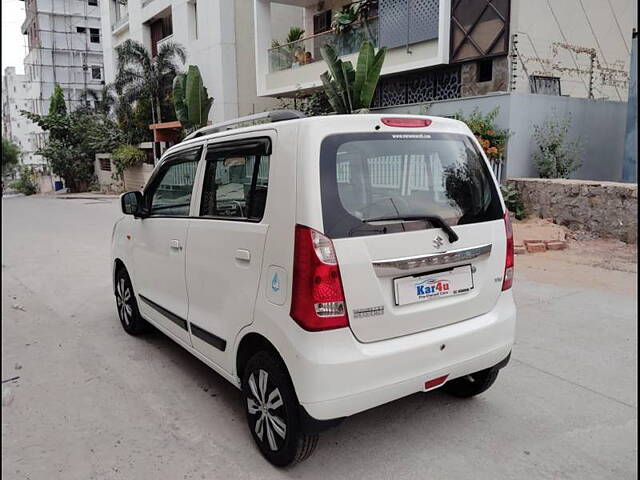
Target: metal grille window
point(404, 22)
point(419, 87)
point(479, 28)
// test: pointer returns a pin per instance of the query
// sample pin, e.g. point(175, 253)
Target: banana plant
point(349, 90)
point(191, 100)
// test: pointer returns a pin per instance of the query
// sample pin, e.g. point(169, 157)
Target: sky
point(13, 42)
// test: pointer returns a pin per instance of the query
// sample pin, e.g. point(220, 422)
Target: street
point(92, 402)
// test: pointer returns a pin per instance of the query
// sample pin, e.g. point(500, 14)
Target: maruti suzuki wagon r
point(323, 265)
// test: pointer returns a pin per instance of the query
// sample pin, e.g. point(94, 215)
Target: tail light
point(508, 264)
point(317, 295)
point(406, 122)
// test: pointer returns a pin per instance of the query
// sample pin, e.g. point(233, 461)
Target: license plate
point(419, 288)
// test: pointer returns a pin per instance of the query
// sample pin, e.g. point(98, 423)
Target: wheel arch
point(249, 345)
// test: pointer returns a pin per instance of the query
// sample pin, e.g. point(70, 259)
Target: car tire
point(130, 317)
point(473, 384)
point(272, 412)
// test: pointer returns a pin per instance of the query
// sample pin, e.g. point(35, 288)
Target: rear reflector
point(406, 122)
point(317, 299)
point(508, 263)
point(435, 382)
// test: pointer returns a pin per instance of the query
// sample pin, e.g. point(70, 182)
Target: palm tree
point(140, 75)
point(103, 99)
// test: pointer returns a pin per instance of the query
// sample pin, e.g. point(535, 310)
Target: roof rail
point(270, 117)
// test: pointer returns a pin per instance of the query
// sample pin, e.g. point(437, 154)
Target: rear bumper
point(337, 376)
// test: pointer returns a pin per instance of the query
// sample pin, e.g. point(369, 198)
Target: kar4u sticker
point(428, 288)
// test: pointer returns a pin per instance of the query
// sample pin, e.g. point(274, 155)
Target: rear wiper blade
point(436, 220)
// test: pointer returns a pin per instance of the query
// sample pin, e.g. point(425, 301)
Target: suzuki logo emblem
point(438, 241)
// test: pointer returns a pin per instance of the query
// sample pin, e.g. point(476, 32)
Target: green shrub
point(512, 200)
point(126, 156)
point(555, 156)
point(492, 139)
point(26, 184)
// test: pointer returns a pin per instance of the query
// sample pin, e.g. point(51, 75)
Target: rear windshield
point(377, 183)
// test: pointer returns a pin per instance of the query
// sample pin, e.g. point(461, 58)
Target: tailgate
point(402, 283)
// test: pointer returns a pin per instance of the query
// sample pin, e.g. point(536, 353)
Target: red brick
point(518, 249)
point(534, 247)
point(556, 245)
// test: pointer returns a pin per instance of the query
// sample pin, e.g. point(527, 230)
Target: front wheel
point(272, 412)
point(130, 317)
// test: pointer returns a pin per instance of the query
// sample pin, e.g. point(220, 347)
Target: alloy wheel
point(263, 402)
point(123, 298)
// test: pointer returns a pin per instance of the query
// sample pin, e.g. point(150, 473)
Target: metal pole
point(630, 159)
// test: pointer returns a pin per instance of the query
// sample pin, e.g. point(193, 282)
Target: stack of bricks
point(535, 246)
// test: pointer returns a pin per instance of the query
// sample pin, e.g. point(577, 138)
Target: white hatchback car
point(323, 265)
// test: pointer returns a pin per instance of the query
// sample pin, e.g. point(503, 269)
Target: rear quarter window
point(392, 177)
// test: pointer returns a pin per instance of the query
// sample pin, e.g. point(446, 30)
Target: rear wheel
point(128, 311)
point(272, 412)
point(473, 384)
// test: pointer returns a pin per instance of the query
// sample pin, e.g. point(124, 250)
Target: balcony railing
point(167, 39)
point(120, 22)
point(307, 50)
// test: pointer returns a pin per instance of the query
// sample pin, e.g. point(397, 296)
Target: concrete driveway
point(92, 402)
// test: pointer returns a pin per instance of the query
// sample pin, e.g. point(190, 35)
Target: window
point(171, 189)
point(92, 3)
point(484, 70)
point(94, 35)
point(81, 29)
point(105, 164)
point(96, 73)
point(322, 22)
point(236, 180)
point(367, 177)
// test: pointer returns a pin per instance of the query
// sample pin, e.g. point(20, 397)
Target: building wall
point(58, 53)
point(218, 37)
point(601, 124)
point(605, 26)
point(17, 93)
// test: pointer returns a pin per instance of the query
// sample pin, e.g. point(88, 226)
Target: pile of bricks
point(535, 246)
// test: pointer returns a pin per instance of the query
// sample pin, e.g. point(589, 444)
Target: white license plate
point(419, 288)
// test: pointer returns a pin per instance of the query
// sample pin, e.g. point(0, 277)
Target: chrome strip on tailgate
point(431, 260)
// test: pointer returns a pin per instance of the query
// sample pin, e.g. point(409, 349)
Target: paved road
point(94, 403)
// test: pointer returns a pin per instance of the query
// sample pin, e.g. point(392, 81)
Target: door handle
point(244, 255)
point(175, 245)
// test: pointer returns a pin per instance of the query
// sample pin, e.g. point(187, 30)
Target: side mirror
point(131, 203)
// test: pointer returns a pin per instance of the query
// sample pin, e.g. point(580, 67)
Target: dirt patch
point(538, 229)
point(610, 264)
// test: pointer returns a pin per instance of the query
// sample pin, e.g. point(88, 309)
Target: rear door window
point(384, 183)
point(236, 180)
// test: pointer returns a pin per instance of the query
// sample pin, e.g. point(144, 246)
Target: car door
point(226, 243)
point(158, 251)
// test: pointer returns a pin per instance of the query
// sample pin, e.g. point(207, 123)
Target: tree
point(349, 90)
point(68, 148)
point(103, 100)
point(57, 105)
point(191, 100)
point(10, 156)
point(138, 75)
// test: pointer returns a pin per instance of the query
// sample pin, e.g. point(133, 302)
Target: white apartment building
point(17, 94)
point(65, 42)
point(448, 49)
point(218, 38)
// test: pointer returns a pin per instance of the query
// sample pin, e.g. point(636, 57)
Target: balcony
point(167, 39)
point(308, 50)
point(415, 32)
point(120, 24)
